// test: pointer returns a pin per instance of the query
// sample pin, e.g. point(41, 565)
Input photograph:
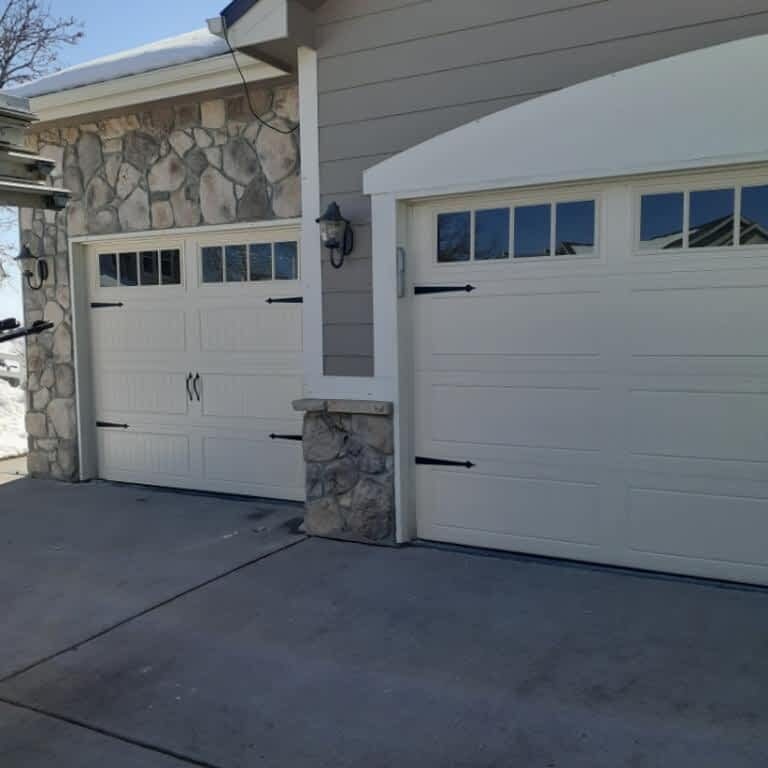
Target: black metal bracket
point(288, 300)
point(17, 332)
point(195, 382)
point(427, 462)
point(420, 290)
point(189, 391)
point(297, 438)
point(105, 304)
point(111, 424)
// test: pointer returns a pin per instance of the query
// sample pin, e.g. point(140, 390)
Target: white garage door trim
point(187, 238)
point(617, 233)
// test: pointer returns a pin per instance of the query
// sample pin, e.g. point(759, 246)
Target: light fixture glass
point(336, 234)
point(29, 264)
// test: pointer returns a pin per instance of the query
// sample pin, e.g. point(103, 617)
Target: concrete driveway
point(146, 628)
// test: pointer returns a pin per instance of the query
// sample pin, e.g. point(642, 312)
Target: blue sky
point(111, 27)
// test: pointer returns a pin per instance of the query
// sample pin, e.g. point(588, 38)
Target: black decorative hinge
point(427, 462)
point(111, 424)
point(297, 438)
point(422, 289)
point(288, 300)
point(105, 304)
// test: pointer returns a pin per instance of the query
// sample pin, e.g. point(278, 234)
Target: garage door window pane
point(453, 237)
point(712, 218)
point(575, 228)
point(129, 273)
point(286, 261)
point(532, 230)
point(261, 261)
point(213, 267)
point(170, 266)
point(492, 234)
point(237, 266)
point(107, 270)
point(661, 221)
point(148, 268)
point(754, 215)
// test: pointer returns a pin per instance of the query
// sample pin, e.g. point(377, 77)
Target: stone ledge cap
point(364, 407)
point(310, 405)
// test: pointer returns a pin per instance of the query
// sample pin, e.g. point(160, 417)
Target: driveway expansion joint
point(155, 606)
point(138, 743)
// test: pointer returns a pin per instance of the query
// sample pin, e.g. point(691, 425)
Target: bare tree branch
point(8, 223)
point(31, 38)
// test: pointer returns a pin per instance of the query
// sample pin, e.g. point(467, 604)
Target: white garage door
point(599, 390)
point(196, 347)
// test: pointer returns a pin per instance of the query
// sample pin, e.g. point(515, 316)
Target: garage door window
point(533, 231)
point(255, 262)
point(526, 231)
point(754, 215)
point(575, 228)
point(721, 217)
point(711, 218)
point(454, 237)
point(492, 234)
point(140, 268)
point(661, 221)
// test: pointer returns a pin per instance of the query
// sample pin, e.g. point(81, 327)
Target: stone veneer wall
point(349, 453)
point(166, 165)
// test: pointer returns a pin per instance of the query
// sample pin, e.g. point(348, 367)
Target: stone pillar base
point(349, 453)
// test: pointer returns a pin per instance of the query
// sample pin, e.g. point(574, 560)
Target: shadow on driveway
point(77, 559)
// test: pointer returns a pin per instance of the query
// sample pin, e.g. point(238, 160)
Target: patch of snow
point(191, 46)
point(13, 436)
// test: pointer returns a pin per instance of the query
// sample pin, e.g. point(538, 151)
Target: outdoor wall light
point(29, 264)
point(336, 235)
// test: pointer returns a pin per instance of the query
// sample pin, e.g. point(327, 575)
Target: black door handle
point(195, 382)
point(189, 392)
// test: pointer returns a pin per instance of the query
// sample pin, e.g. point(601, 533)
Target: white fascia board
point(696, 110)
point(166, 83)
point(269, 21)
point(265, 21)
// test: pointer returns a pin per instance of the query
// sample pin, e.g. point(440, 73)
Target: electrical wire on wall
point(245, 87)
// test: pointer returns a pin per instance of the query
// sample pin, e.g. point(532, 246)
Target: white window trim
point(81, 288)
point(280, 236)
point(699, 182)
point(550, 197)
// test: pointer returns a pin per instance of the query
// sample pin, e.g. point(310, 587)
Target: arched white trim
point(696, 110)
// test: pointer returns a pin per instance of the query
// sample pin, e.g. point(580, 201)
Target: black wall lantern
point(336, 235)
point(29, 264)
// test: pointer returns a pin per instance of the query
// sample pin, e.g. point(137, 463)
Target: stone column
point(349, 454)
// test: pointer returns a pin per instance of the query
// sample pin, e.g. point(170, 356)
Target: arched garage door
point(591, 373)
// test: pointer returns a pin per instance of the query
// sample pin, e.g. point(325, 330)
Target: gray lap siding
point(394, 73)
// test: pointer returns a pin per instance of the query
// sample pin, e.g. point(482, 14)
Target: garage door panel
point(698, 321)
point(140, 330)
point(141, 392)
point(711, 425)
point(692, 525)
point(137, 454)
point(250, 328)
point(566, 324)
point(518, 507)
point(201, 373)
point(255, 464)
point(517, 363)
point(558, 418)
point(251, 396)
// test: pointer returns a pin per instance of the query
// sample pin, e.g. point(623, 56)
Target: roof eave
point(273, 30)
